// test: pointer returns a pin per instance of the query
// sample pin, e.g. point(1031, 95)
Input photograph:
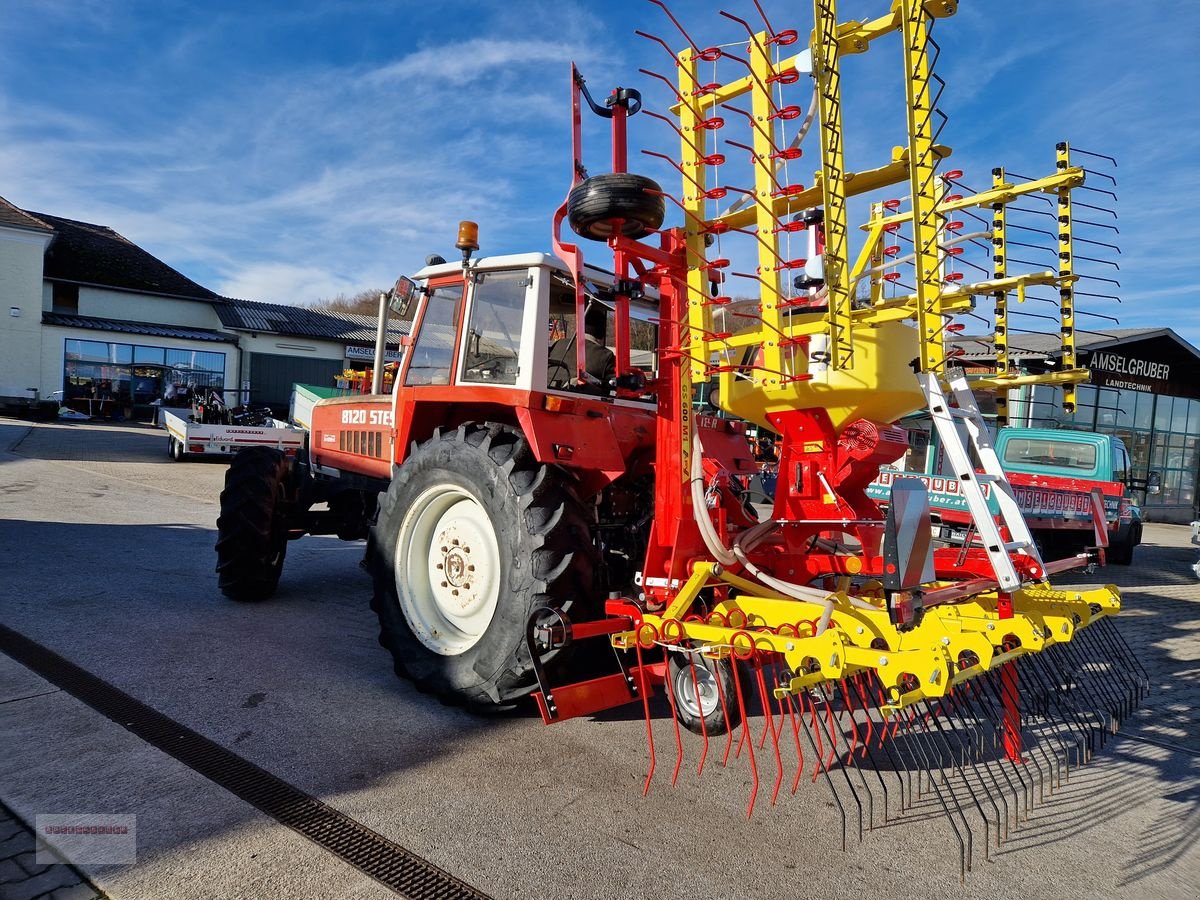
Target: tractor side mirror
point(404, 295)
point(1154, 483)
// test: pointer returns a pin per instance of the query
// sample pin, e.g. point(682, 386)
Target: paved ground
point(106, 557)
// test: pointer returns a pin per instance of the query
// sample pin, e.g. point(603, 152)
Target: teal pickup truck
point(1053, 473)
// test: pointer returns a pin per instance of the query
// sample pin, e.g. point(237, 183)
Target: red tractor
point(500, 476)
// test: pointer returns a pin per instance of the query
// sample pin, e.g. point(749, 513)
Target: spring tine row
point(1066, 701)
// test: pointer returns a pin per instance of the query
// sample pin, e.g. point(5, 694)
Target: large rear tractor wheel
point(252, 526)
point(594, 203)
point(474, 535)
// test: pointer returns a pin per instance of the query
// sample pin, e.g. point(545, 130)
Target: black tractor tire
point(543, 556)
point(252, 527)
point(682, 684)
point(596, 201)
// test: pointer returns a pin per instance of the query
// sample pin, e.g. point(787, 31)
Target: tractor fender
point(573, 441)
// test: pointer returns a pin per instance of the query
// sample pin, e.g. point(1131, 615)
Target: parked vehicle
point(1053, 474)
point(210, 428)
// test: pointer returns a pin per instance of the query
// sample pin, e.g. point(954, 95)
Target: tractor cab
point(509, 322)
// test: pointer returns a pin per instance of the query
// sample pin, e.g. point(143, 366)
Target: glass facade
point(117, 380)
point(1161, 432)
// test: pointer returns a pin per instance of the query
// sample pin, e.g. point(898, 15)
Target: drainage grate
point(366, 850)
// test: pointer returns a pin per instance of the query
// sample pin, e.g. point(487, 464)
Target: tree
point(364, 303)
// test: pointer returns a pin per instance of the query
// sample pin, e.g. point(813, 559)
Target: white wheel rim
point(447, 569)
point(699, 697)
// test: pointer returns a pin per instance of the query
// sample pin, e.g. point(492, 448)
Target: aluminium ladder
point(961, 426)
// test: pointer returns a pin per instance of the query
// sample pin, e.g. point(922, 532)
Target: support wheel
point(596, 201)
point(693, 682)
point(473, 535)
point(252, 526)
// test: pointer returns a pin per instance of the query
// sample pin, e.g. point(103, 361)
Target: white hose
point(708, 531)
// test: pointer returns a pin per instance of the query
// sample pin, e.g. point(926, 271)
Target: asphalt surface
point(106, 558)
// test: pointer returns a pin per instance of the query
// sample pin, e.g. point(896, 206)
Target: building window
point(65, 298)
point(115, 380)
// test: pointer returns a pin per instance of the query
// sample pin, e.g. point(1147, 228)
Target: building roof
point(1048, 346)
point(123, 327)
point(299, 321)
point(17, 218)
point(84, 253)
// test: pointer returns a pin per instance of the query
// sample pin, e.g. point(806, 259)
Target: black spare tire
point(594, 203)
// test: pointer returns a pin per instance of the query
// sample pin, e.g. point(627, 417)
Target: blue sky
point(293, 151)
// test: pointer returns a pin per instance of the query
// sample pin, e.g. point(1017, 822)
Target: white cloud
point(284, 283)
point(476, 59)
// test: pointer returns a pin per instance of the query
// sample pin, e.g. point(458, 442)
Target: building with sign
point(88, 313)
point(1144, 388)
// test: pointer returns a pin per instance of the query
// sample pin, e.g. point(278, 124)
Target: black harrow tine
point(916, 745)
point(1097, 680)
point(990, 680)
point(1119, 676)
point(865, 753)
point(1094, 154)
point(1035, 745)
point(884, 744)
point(1048, 726)
point(827, 724)
point(984, 704)
point(1119, 639)
point(1108, 633)
point(1093, 689)
point(1064, 683)
point(988, 731)
point(945, 730)
point(1081, 691)
point(820, 764)
point(926, 734)
point(1033, 669)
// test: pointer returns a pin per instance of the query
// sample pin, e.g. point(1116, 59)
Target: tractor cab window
point(432, 353)
point(493, 338)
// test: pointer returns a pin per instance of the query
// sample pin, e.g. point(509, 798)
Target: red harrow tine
point(746, 740)
point(769, 714)
point(667, 641)
point(637, 645)
point(721, 693)
point(692, 654)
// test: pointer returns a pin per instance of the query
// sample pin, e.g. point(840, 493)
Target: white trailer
point(188, 437)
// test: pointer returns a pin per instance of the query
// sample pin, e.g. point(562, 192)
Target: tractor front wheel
point(252, 526)
point(474, 535)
